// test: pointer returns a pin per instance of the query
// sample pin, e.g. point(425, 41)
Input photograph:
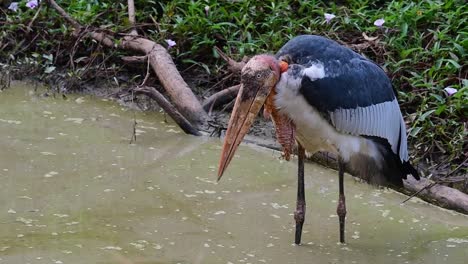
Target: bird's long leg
point(299, 214)
point(341, 209)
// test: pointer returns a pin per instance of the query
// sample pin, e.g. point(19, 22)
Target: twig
point(432, 184)
point(65, 15)
point(131, 17)
point(233, 66)
point(134, 135)
point(458, 167)
point(34, 18)
point(147, 73)
point(221, 97)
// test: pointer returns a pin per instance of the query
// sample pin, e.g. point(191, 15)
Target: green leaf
point(425, 115)
point(415, 131)
point(440, 109)
point(454, 63)
point(404, 30)
point(49, 69)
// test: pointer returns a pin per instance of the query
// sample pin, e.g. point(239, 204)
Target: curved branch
point(222, 97)
point(233, 66)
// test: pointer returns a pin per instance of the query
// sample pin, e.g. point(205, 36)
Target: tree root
point(183, 123)
point(220, 98)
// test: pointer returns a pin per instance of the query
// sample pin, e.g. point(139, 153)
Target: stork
point(327, 98)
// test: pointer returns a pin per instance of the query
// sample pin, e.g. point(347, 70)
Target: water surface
point(74, 190)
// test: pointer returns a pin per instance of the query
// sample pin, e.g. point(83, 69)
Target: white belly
point(313, 131)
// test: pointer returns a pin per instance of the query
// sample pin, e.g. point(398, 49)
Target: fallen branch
point(183, 123)
point(220, 98)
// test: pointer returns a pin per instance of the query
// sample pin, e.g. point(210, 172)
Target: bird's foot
point(341, 211)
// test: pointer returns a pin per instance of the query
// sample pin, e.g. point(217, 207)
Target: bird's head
point(258, 78)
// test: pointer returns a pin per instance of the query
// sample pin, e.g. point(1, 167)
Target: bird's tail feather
point(386, 169)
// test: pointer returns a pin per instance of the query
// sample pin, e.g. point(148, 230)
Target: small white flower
point(170, 43)
point(450, 91)
point(207, 9)
point(13, 6)
point(329, 17)
point(379, 22)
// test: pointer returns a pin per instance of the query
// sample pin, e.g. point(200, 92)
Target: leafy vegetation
point(422, 45)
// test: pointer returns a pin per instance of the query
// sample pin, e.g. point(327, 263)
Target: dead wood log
point(443, 195)
point(424, 189)
point(220, 98)
point(134, 59)
point(162, 64)
point(183, 123)
point(427, 190)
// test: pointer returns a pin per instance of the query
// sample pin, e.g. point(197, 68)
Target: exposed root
point(220, 98)
point(183, 123)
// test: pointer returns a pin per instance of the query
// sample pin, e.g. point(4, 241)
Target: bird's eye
point(259, 76)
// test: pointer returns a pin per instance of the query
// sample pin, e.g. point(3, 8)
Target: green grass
point(422, 45)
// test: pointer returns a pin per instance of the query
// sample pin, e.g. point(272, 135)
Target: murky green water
point(74, 190)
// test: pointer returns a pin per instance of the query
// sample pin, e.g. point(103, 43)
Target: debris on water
point(45, 153)
point(140, 244)
point(61, 215)
point(4, 248)
point(385, 213)
point(25, 221)
point(50, 174)
point(457, 240)
point(219, 213)
point(277, 206)
point(11, 211)
point(75, 120)
point(80, 100)
point(172, 131)
point(275, 216)
point(16, 122)
point(112, 248)
point(157, 246)
point(356, 235)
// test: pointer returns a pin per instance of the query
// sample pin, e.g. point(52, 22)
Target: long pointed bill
point(249, 101)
